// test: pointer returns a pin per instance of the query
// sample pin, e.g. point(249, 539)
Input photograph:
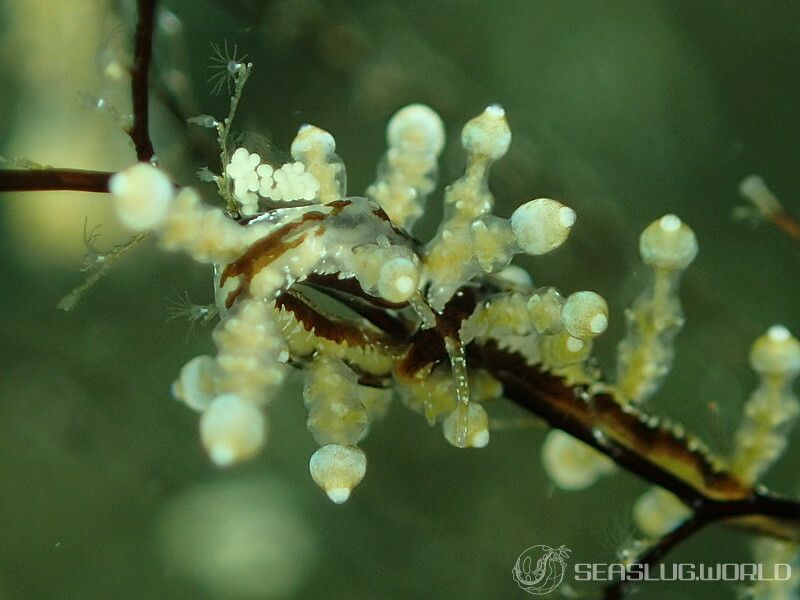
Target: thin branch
point(768, 206)
point(707, 512)
point(657, 552)
point(140, 71)
point(69, 301)
point(785, 222)
point(29, 180)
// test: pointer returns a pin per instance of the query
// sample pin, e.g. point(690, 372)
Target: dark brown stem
point(29, 180)
point(647, 448)
point(140, 71)
point(640, 443)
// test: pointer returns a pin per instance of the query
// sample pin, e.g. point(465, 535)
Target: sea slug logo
point(540, 569)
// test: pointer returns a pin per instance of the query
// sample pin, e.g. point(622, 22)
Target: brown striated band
point(264, 251)
point(631, 437)
point(323, 325)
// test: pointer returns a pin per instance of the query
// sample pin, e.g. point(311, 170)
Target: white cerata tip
point(232, 430)
point(337, 469)
point(515, 275)
point(668, 243)
point(416, 128)
point(574, 344)
point(541, 225)
point(339, 495)
point(310, 137)
point(670, 223)
point(778, 333)
point(585, 314)
point(487, 134)
point(567, 216)
point(495, 111)
point(776, 353)
point(598, 323)
point(398, 279)
point(222, 455)
point(142, 196)
point(480, 439)
point(572, 464)
point(477, 434)
point(195, 385)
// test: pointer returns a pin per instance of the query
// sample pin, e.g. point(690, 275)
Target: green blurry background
point(623, 110)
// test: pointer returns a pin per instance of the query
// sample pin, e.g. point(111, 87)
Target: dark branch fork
point(26, 180)
point(656, 452)
point(648, 450)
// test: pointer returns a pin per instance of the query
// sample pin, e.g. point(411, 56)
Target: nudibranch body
point(337, 285)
